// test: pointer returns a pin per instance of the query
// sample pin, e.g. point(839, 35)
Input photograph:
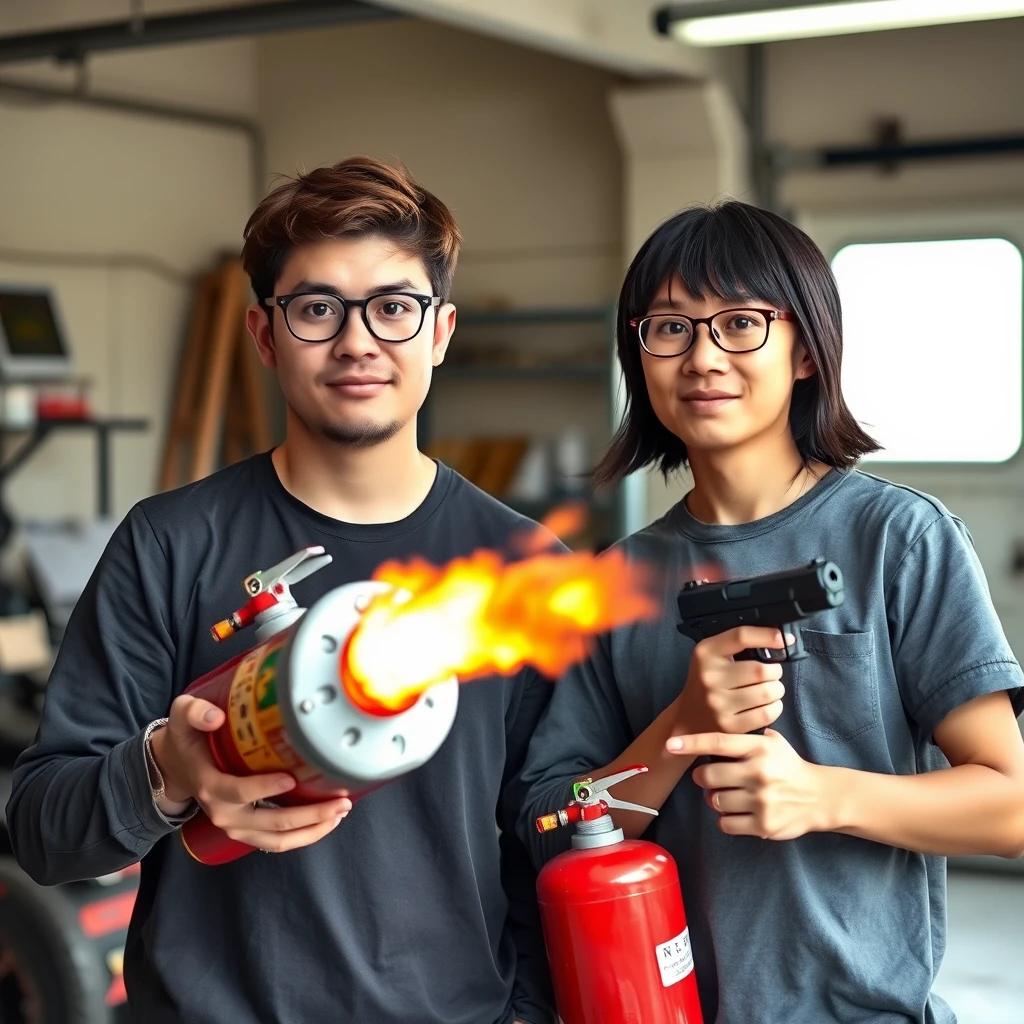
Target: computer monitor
point(33, 344)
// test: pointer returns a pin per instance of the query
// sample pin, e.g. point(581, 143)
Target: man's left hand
point(767, 791)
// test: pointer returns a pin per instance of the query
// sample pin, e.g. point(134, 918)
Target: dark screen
point(29, 326)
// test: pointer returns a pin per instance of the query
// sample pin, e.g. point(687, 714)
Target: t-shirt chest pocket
point(835, 688)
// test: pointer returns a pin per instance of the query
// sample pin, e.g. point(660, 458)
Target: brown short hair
point(358, 196)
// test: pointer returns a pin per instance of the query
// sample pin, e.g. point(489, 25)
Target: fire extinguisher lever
point(592, 800)
point(589, 791)
point(294, 568)
point(271, 605)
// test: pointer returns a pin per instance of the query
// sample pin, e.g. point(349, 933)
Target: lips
point(357, 382)
point(358, 387)
point(707, 396)
point(707, 403)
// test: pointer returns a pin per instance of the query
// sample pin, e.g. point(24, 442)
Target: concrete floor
point(982, 976)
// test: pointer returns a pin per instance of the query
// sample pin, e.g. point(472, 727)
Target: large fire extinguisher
point(613, 919)
point(291, 707)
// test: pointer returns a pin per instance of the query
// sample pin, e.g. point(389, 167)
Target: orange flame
point(562, 523)
point(567, 520)
point(480, 616)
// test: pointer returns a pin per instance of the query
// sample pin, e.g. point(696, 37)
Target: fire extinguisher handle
point(586, 788)
point(294, 568)
point(625, 805)
point(592, 790)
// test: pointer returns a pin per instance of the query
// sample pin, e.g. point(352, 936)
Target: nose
point(704, 356)
point(355, 341)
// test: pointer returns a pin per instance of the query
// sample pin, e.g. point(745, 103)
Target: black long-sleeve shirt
point(412, 911)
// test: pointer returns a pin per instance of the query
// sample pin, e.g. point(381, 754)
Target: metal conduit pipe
point(150, 108)
point(74, 44)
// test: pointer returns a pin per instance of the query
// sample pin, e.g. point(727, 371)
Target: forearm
point(82, 817)
point(966, 810)
point(664, 771)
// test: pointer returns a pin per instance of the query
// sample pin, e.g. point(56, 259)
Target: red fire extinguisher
point(613, 919)
point(291, 707)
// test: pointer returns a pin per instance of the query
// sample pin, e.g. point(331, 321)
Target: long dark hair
point(737, 252)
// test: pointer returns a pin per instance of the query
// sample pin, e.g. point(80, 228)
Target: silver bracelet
point(156, 779)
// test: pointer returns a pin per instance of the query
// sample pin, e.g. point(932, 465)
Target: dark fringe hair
point(736, 252)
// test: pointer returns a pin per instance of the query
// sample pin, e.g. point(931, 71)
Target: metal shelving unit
point(606, 507)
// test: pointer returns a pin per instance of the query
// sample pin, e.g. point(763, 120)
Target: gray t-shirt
point(826, 927)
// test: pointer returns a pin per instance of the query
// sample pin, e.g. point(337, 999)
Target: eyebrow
point(404, 285)
point(680, 307)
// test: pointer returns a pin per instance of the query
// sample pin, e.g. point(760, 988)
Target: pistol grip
point(771, 655)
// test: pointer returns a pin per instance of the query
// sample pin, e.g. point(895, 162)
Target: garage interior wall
point(526, 155)
point(105, 185)
point(518, 143)
point(956, 81)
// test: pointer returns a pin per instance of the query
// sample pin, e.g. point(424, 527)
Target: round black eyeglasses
point(733, 330)
point(321, 316)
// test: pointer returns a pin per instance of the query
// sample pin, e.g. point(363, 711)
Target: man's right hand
point(182, 753)
point(723, 695)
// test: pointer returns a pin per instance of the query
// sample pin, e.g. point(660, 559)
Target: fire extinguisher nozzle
point(222, 630)
point(547, 823)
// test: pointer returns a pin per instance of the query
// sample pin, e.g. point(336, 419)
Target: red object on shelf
point(58, 405)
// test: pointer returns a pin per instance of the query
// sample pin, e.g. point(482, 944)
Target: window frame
point(896, 238)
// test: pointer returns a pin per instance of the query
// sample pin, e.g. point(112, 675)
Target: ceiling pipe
point(247, 127)
point(941, 149)
point(76, 43)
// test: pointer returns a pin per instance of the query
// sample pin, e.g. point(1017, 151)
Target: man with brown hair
point(412, 911)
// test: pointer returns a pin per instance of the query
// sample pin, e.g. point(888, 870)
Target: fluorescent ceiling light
point(828, 19)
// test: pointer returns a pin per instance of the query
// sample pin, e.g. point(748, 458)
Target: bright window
point(932, 347)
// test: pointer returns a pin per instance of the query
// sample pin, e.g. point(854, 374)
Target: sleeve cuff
point(150, 823)
point(978, 681)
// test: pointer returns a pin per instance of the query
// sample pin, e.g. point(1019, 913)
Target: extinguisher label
point(675, 958)
point(253, 711)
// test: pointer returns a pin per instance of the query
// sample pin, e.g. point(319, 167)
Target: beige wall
point(104, 185)
point(948, 82)
point(942, 82)
point(518, 143)
point(951, 81)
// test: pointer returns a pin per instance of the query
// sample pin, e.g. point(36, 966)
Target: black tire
point(49, 972)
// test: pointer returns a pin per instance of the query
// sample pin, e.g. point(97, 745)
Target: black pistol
point(778, 599)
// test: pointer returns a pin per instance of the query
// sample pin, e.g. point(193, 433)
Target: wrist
point(679, 720)
point(173, 792)
point(837, 800)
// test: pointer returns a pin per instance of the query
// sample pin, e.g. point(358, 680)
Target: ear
point(444, 327)
point(804, 364)
point(258, 323)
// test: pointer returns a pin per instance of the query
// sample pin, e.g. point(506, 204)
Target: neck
point(380, 484)
point(741, 485)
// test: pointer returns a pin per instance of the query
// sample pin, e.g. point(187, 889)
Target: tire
point(49, 972)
